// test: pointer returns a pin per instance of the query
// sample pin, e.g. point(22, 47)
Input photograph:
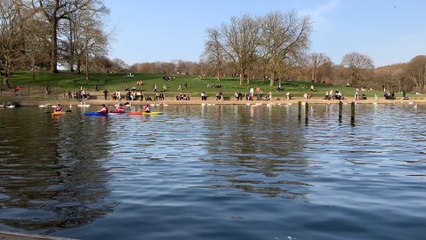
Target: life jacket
point(104, 110)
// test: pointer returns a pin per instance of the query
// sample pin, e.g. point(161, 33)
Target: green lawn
point(65, 81)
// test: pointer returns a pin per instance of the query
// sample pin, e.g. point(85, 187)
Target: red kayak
point(116, 111)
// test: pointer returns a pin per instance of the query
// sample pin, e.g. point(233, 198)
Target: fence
point(42, 92)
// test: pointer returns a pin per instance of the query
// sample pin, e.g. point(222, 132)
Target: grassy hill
point(63, 82)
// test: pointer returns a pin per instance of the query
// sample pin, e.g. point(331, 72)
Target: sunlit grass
point(66, 81)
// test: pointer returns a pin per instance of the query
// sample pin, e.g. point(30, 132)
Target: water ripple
point(216, 172)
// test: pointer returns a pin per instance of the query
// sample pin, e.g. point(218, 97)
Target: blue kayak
point(95, 114)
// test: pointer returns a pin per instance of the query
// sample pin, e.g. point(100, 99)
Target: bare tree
point(359, 68)
point(119, 65)
point(398, 76)
point(214, 52)
point(95, 41)
point(37, 46)
point(101, 64)
point(11, 45)
point(240, 42)
point(320, 66)
point(285, 39)
point(54, 11)
point(84, 35)
point(416, 71)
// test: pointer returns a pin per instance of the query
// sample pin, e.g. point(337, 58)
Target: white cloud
point(320, 13)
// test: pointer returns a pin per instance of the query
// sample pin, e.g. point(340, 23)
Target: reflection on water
point(252, 153)
point(51, 171)
point(216, 172)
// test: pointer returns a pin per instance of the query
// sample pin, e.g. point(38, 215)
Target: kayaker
point(120, 108)
point(146, 108)
point(58, 108)
point(104, 109)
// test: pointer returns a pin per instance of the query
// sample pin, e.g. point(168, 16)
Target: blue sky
point(389, 31)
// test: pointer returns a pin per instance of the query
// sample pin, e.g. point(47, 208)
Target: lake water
point(216, 172)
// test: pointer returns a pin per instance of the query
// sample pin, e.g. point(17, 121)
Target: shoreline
point(31, 102)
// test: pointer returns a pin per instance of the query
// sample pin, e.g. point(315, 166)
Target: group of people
point(79, 95)
point(134, 94)
point(238, 96)
point(182, 97)
point(389, 96)
point(219, 95)
point(260, 95)
point(330, 95)
point(214, 85)
point(104, 109)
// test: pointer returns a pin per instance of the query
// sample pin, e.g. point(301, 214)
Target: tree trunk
point(6, 77)
point(33, 73)
point(87, 66)
point(71, 42)
point(54, 46)
point(272, 80)
point(242, 73)
point(424, 78)
point(78, 65)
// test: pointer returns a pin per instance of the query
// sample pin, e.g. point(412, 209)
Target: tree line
point(275, 48)
point(39, 34)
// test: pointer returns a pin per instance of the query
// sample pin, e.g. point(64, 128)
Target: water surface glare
point(216, 172)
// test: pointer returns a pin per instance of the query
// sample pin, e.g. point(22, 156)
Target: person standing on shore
point(106, 94)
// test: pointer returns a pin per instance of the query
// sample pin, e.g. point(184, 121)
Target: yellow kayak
point(144, 113)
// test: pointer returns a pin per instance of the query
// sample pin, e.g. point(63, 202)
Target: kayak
point(119, 112)
point(144, 113)
point(95, 114)
point(54, 114)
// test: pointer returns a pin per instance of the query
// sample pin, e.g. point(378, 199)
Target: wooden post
point(300, 110)
point(352, 112)
point(340, 111)
point(306, 112)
